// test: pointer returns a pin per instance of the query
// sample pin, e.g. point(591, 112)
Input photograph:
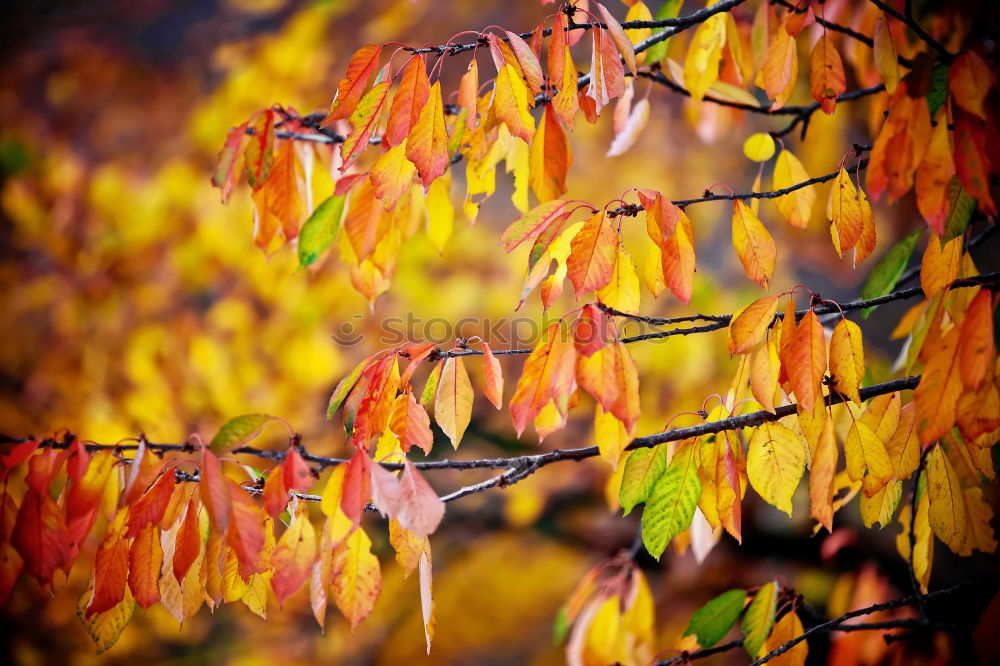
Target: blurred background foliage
point(132, 300)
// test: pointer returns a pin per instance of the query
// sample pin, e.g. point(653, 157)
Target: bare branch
point(946, 55)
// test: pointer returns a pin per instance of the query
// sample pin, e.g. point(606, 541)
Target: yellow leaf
point(847, 359)
point(904, 447)
point(882, 416)
point(939, 267)
point(427, 144)
point(622, 291)
point(776, 459)
point(764, 368)
point(701, 67)
point(843, 209)
point(759, 147)
point(980, 534)
point(822, 472)
point(781, 67)
point(610, 435)
point(357, 579)
point(923, 553)
point(886, 62)
point(510, 101)
point(753, 244)
point(795, 207)
point(391, 175)
point(440, 213)
point(785, 629)
point(879, 507)
point(652, 271)
point(749, 325)
point(948, 517)
point(453, 404)
point(864, 451)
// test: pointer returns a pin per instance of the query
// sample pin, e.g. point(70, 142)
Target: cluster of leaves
point(209, 541)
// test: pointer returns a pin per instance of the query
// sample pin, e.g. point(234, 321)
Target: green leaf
point(670, 507)
point(430, 388)
point(889, 269)
point(237, 431)
point(939, 88)
point(561, 626)
point(759, 618)
point(668, 10)
point(959, 210)
point(344, 389)
point(320, 229)
point(642, 470)
point(711, 622)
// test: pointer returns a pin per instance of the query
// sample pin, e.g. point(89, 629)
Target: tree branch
point(946, 55)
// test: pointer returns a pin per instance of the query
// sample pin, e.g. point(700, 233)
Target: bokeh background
point(132, 300)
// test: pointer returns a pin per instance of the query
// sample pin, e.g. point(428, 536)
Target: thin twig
point(946, 55)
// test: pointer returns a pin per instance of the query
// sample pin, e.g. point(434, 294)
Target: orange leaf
point(259, 154)
point(293, 556)
point(40, 536)
point(748, 327)
point(411, 97)
point(144, 562)
point(976, 349)
point(764, 368)
point(214, 491)
point(187, 544)
point(607, 75)
point(598, 375)
point(548, 371)
point(295, 472)
point(826, 73)
point(510, 102)
point(619, 37)
point(843, 209)
point(492, 377)
point(427, 145)
point(626, 405)
point(822, 472)
point(933, 176)
point(278, 203)
point(226, 174)
point(868, 238)
point(805, 361)
point(970, 79)
point(364, 119)
point(420, 508)
point(357, 579)
point(148, 509)
point(468, 93)
point(246, 530)
point(847, 358)
point(592, 254)
point(392, 175)
point(939, 389)
point(363, 64)
point(781, 67)
point(534, 223)
point(110, 570)
point(753, 244)
point(971, 159)
point(531, 69)
point(592, 330)
point(275, 495)
point(562, 73)
point(549, 158)
point(410, 423)
point(939, 267)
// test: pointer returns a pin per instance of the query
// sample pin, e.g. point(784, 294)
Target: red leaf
point(259, 154)
point(411, 97)
point(110, 572)
point(275, 495)
point(12, 455)
point(592, 330)
point(225, 171)
point(188, 542)
point(531, 69)
point(40, 536)
point(297, 474)
point(357, 486)
point(246, 530)
point(215, 493)
point(562, 73)
point(148, 509)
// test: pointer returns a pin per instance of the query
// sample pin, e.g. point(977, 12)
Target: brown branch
point(946, 55)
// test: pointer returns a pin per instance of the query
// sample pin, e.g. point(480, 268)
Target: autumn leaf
point(759, 147)
point(618, 36)
point(420, 508)
point(293, 556)
point(789, 627)
point(453, 404)
point(780, 68)
point(562, 72)
point(939, 389)
point(548, 372)
point(826, 73)
point(822, 471)
point(357, 486)
point(245, 534)
point(145, 560)
point(510, 102)
point(492, 377)
point(363, 119)
point(847, 358)
point(259, 153)
point(934, 177)
point(607, 74)
point(948, 516)
point(939, 267)
point(427, 144)
point(865, 454)
point(468, 93)
point(976, 349)
point(805, 361)
point(409, 421)
point(969, 80)
point(226, 171)
point(531, 69)
point(110, 570)
point(843, 209)
point(549, 158)
point(363, 64)
point(319, 231)
point(701, 67)
point(238, 431)
point(753, 244)
point(622, 290)
point(796, 207)
point(407, 104)
point(392, 174)
point(776, 459)
point(748, 327)
point(215, 493)
point(591, 260)
point(357, 579)
point(885, 55)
